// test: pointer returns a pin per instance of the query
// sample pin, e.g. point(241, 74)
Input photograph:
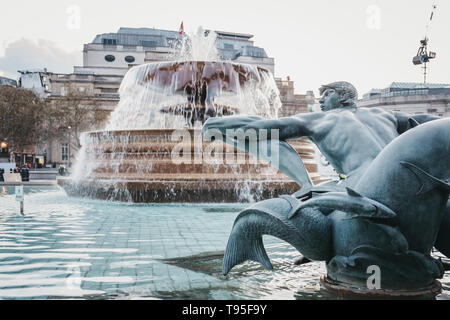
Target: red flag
point(181, 28)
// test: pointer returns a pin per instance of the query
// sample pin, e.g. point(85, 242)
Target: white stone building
point(413, 98)
point(8, 82)
point(115, 53)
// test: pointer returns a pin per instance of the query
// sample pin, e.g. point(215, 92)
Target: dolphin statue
point(390, 218)
point(351, 202)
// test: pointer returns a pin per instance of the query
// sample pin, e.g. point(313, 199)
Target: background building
point(110, 55)
point(8, 82)
point(413, 98)
point(97, 93)
point(293, 103)
point(36, 80)
point(115, 53)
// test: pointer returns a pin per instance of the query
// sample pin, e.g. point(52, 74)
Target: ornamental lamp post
point(4, 148)
point(68, 145)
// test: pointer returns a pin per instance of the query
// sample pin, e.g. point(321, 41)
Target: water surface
point(67, 247)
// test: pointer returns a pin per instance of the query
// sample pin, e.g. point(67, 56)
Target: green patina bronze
point(389, 211)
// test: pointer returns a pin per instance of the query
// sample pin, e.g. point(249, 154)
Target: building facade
point(36, 80)
point(293, 103)
point(107, 59)
point(413, 98)
point(99, 95)
point(8, 82)
point(115, 53)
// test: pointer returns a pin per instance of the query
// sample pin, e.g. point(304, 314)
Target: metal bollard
point(20, 197)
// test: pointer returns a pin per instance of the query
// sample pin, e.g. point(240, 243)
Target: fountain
point(162, 106)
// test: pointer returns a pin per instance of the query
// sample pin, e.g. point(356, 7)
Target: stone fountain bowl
point(155, 165)
point(219, 75)
point(193, 89)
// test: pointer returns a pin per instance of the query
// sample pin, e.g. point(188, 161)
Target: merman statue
point(372, 217)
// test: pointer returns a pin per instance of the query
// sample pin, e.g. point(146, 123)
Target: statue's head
point(337, 95)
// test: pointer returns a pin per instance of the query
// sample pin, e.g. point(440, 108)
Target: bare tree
point(26, 120)
point(73, 113)
point(21, 118)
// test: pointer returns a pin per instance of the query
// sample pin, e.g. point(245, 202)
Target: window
point(149, 43)
point(228, 46)
point(110, 58)
point(130, 59)
point(108, 90)
point(64, 151)
point(110, 42)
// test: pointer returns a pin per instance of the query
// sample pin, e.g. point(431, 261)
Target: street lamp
point(4, 145)
point(68, 145)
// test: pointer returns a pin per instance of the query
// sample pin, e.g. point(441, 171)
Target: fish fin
point(353, 193)
point(427, 180)
point(240, 249)
point(294, 211)
point(377, 214)
point(302, 193)
point(237, 253)
point(413, 122)
point(295, 204)
point(292, 200)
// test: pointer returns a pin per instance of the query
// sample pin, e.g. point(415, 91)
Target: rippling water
point(74, 248)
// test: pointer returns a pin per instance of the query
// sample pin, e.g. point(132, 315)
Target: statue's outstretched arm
point(222, 124)
point(288, 128)
point(288, 160)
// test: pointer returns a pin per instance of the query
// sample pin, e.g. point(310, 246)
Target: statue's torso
point(350, 139)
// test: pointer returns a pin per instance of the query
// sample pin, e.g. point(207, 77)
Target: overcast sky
point(367, 42)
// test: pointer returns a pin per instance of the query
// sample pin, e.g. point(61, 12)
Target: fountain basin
point(154, 165)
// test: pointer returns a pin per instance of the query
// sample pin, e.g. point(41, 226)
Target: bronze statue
point(376, 215)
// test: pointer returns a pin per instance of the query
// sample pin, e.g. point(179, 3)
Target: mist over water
point(199, 46)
